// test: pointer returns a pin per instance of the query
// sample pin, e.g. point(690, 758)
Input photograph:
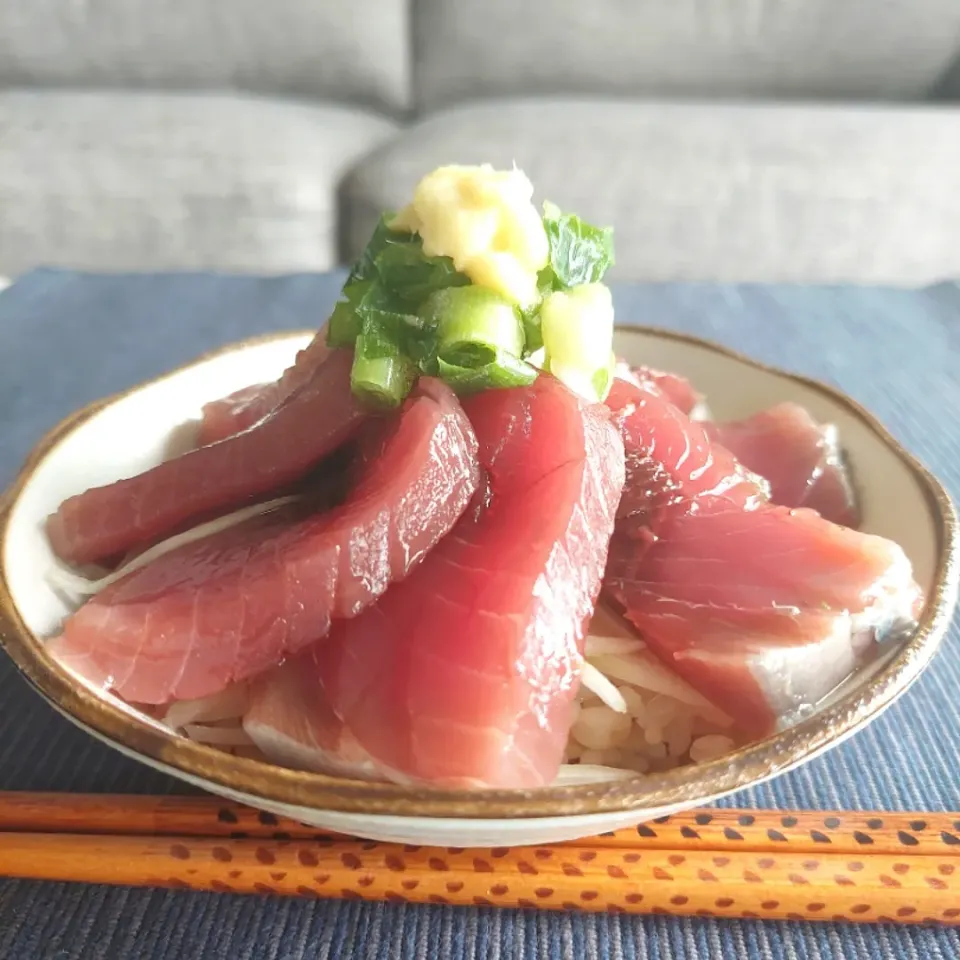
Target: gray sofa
point(797, 140)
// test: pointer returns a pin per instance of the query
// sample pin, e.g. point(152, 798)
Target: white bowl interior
point(134, 433)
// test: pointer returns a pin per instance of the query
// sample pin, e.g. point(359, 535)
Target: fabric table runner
point(67, 339)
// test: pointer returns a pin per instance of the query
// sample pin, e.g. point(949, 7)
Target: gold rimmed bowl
point(127, 434)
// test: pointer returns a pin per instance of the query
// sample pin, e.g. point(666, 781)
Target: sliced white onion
point(574, 773)
point(218, 736)
point(597, 646)
point(67, 579)
point(597, 683)
point(229, 704)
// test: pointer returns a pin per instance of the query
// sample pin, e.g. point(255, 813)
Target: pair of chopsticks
point(865, 867)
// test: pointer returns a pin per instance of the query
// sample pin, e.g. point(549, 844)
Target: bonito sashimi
point(760, 608)
point(242, 409)
point(229, 606)
point(465, 673)
point(317, 416)
point(678, 390)
point(800, 458)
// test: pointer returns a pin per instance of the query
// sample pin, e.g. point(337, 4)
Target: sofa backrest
point(347, 50)
point(856, 49)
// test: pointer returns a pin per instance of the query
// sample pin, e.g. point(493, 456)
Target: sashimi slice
point(678, 390)
point(799, 457)
point(244, 408)
point(296, 727)
point(232, 605)
point(670, 460)
point(464, 674)
point(761, 608)
point(317, 416)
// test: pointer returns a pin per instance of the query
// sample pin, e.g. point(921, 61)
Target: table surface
point(66, 339)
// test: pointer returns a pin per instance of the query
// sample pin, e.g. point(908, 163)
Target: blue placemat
point(66, 339)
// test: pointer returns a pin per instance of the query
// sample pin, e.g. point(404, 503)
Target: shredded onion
point(219, 736)
point(597, 646)
point(597, 683)
point(574, 773)
point(67, 579)
point(229, 704)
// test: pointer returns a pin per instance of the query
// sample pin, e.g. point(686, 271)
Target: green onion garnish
point(504, 370)
point(382, 374)
point(407, 314)
point(473, 326)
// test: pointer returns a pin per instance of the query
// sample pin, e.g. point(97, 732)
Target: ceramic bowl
point(132, 432)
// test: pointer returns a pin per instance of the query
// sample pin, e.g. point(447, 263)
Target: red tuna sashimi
point(799, 457)
point(234, 604)
point(244, 408)
point(760, 608)
point(464, 674)
point(107, 522)
point(670, 460)
point(678, 390)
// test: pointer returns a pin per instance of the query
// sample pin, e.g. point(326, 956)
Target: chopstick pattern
point(866, 867)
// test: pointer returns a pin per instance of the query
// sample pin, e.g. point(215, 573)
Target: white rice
point(635, 714)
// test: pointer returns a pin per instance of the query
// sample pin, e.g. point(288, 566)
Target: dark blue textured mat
point(66, 339)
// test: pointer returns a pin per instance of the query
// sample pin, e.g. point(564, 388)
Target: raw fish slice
point(763, 664)
point(464, 674)
point(234, 604)
point(678, 390)
point(107, 522)
point(295, 727)
point(236, 412)
point(773, 555)
point(240, 410)
point(800, 458)
point(711, 575)
point(670, 460)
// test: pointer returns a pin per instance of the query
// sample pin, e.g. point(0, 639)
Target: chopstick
point(848, 832)
point(704, 862)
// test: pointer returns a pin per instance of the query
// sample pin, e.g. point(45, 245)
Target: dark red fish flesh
point(800, 458)
point(318, 415)
point(233, 604)
point(761, 608)
point(464, 674)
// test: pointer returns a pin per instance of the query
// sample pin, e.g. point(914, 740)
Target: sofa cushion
point(720, 192)
point(356, 51)
point(723, 48)
point(129, 181)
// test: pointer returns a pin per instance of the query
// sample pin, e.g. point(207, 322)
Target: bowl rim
point(745, 767)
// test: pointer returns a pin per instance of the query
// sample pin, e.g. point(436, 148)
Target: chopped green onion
point(412, 275)
point(382, 374)
point(532, 332)
point(344, 325)
point(504, 370)
point(385, 309)
point(383, 237)
point(473, 326)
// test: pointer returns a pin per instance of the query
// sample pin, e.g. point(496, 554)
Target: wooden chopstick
point(705, 862)
point(849, 832)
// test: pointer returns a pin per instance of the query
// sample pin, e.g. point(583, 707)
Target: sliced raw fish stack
point(799, 457)
point(233, 604)
point(464, 674)
point(670, 460)
point(760, 608)
point(678, 390)
point(317, 416)
point(244, 408)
